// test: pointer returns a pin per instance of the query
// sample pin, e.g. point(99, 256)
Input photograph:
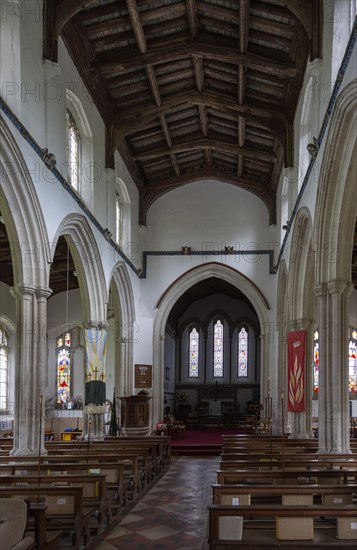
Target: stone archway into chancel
point(178, 289)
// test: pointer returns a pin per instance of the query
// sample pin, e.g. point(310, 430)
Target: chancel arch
point(183, 285)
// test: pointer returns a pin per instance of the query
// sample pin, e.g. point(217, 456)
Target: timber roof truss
point(192, 89)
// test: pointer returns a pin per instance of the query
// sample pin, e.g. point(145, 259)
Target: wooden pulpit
point(135, 414)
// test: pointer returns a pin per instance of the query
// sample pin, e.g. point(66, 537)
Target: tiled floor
point(171, 515)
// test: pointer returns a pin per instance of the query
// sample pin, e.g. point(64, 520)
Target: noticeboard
point(143, 378)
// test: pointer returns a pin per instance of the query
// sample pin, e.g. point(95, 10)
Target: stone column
point(30, 371)
point(338, 438)
point(333, 371)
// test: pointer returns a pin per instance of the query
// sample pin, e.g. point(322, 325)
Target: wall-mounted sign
point(143, 376)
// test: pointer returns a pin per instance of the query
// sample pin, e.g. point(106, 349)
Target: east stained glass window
point(193, 353)
point(3, 371)
point(218, 349)
point(242, 353)
point(64, 368)
point(316, 363)
point(73, 149)
point(352, 361)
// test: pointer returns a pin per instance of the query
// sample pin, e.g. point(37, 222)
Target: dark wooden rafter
point(196, 88)
point(208, 49)
point(56, 15)
point(243, 44)
point(190, 145)
point(310, 16)
point(137, 26)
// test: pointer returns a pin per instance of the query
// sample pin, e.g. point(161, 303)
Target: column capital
point(43, 292)
point(98, 325)
point(22, 289)
point(303, 323)
point(348, 290)
point(51, 69)
point(336, 287)
point(320, 291)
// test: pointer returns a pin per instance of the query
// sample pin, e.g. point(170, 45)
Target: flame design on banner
point(296, 371)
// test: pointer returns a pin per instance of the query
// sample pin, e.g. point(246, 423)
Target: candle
point(282, 395)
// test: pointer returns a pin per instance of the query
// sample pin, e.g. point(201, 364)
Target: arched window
point(194, 340)
point(123, 217)
point(63, 352)
point(3, 371)
point(218, 349)
point(118, 219)
point(73, 151)
point(352, 361)
point(243, 353)
point(316, 363)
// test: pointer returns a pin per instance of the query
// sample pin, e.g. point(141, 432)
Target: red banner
point(296, 371)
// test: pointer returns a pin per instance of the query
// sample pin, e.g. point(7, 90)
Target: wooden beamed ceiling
point(192, 89)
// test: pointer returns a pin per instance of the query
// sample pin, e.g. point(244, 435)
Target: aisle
point(172, 515)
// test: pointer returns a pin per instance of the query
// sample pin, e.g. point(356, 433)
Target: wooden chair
point(176, 428)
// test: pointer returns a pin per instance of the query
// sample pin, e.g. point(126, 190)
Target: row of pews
point(75, 490)
point(279, 493)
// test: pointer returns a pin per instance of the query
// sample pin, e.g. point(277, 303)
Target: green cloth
point(95, 392)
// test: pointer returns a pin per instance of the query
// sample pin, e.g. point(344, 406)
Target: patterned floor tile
point(171, 515)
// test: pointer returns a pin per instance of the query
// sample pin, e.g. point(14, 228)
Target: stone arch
point(27, 235)
point(174, 292)
point(300, 282)
point(125, 310)
point(336, 206)
point(336, 211)
point(87, 258)
point(301, 291)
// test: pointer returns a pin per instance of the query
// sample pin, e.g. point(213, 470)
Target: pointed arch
point(125, 308)
point(170, 297)
point(28, 236)
point(300, 266)
point(336, 207)
point(87, 258)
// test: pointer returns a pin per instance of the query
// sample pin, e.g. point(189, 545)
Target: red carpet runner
point(201, 442)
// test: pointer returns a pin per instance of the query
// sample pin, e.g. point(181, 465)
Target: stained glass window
point(3, 370)
point(218, 349)
point(73, 148)
point(193, 353)
point(64, 368)
point(316, 363)
point(242, 353)
point(352, 361)
point(118, 218)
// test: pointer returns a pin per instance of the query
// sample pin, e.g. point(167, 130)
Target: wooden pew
point(94, 488)
point(256, 490)
point(130, 461)
point(115, 482)
point(288, 464)
point(225, 477)
point(270, 512)
point(65, 508)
